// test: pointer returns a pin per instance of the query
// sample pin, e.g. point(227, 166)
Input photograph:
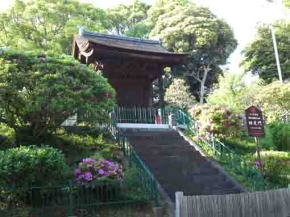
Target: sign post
point(255, 124)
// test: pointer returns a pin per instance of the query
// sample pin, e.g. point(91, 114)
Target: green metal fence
point(222, 153)
point(149, 183)
point(136, 189)
point(69, 199)
point(141, 115)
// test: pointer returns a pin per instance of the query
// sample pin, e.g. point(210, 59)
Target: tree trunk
point(202, 84)
point(161, 92)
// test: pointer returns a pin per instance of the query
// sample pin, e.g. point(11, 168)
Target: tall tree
point(178, 94)
point(286, 3)
point(259, 55)
point(188, 28)
point(230, 91)
point(47, 24)
point(129, 20)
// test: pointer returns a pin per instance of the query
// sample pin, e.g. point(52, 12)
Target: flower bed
point(91, 170)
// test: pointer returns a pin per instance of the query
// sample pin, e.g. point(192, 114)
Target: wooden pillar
point(161, 91)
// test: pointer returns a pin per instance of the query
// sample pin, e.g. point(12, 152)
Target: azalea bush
point(91, 170)
point(216, 120)
point(275, 165)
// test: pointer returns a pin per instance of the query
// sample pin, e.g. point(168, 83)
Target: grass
point(276, 163)
point(75, 143)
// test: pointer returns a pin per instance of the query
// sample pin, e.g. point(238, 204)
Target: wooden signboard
point(255, 121)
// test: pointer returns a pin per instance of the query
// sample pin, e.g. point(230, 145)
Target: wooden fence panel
point(274, 203)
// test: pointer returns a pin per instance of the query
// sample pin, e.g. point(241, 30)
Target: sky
point(241, 15)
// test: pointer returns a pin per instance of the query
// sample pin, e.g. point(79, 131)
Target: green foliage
point(230, 91)
point(7, 137)
point(259, 54)
point(38, 93)
point(24, 166)
point(286, 3)
point(277, 136)
point(242, 145)
point(184, 27)
point(188, 28)
point(128, 20)
point(78, 146)
point(161, 7)
point(178, 94)
point(274, 99)
point(276, 167)
point(47, 25)
point(216, 120)
point(132, 185)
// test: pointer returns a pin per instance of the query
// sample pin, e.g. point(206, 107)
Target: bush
point(217, 120)
point(38, 93)
point(91, 170)
point(76, 147)
point(276, 166)
point(7, 138)
point(178, 95)
point(278, 136)
point(26, 166)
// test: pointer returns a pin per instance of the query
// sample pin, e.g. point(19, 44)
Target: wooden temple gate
point(131, 65)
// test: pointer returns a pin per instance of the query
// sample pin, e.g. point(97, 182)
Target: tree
point(188, 28)
point(129, 20)
point(286, 3)
point(274, 99)
point(259, 57)
point(178, 94)
point(230, 91)
point(47, 25)
point(38, 93)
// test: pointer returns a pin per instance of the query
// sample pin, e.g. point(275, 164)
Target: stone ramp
point(177, 165)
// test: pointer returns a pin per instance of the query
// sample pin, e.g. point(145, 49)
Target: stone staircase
point(178, 166)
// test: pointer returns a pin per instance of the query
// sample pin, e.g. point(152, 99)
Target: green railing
point(138, 188)
point(140, 115)
point(147, 179)
point(222, 153)
point(70, 198)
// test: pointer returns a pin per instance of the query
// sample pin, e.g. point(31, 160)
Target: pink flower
point(259, 163)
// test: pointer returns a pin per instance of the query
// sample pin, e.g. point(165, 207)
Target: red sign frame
point(255, 122)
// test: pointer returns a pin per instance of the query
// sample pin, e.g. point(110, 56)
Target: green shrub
point(276, 167)
point(6, 136)
point(132, 185)
point(76, 147)
point(32, 165)
point(277, 136)
point(178, 94)
point(38, 93)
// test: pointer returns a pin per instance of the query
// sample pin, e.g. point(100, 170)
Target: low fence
point(146, 178)
point(138, 189)
point(141, 115)
point(274, 203)
point(71, 199)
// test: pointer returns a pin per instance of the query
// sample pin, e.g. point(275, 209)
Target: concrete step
point(178, 166)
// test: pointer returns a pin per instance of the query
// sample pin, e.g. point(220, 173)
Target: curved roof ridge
point(85, 33)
